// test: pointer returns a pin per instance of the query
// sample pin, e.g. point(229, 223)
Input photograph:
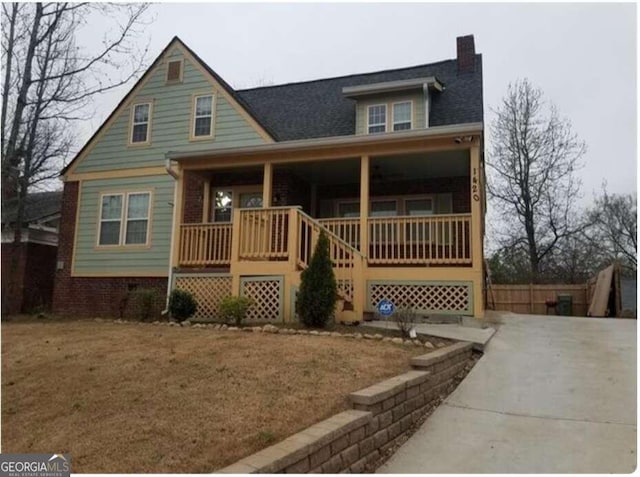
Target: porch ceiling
point(392, 168)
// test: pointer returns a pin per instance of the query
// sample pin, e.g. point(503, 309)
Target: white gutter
point(330, 142)
point(172, 173)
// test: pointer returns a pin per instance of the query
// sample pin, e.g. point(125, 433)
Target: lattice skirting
point(423, 297)
point(208, 289)
point(268, 294)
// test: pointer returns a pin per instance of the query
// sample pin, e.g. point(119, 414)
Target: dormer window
point(140, 119)
point(402, 116)
point(377, 118)
point(174, 71)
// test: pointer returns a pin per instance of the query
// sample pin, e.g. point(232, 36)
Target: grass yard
point(142, 398)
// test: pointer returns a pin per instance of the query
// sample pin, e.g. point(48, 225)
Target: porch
point(406, 226)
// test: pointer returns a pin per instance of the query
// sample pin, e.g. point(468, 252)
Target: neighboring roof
point(314, 109)
point(38, 205)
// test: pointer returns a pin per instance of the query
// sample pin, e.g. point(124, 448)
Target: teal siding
point(153, 259)
point(170, 124)
point(418, 105)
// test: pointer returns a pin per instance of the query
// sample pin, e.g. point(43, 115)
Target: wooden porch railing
point(265, 236)
point(205, 244)
point(347, 260)
point(348, 229)
point(435, 239)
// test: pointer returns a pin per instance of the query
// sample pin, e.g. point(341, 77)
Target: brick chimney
point(466, 54)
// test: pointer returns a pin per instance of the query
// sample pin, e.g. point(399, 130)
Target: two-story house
point(191, 184)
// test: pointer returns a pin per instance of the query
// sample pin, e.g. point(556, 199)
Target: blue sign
point(385, 307)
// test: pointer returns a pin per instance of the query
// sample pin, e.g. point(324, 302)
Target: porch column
point(477, 254)
point(267, 185)
point(364, 205)
point(178, 198)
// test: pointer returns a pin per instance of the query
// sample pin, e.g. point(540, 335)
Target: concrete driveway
point(551, 394)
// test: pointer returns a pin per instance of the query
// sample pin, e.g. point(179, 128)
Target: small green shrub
point(182, 305)
point(234, 308)
point(318, 288)
point(146, 303)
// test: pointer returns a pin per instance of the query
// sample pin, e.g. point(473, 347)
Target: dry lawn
point(142, 398)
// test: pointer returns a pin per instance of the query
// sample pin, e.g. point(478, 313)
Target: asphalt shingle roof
point(37, 206)
point(315, 109)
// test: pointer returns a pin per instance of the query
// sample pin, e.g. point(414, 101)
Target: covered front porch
point(411, 217)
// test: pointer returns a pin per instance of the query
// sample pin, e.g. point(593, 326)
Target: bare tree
point(533, 157)
point(614, 220)
point(50, 80)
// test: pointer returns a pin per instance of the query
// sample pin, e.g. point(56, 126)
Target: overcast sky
point(583, 56)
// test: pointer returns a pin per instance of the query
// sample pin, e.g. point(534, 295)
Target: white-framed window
point(384, 208)
point(140, 119)
point(402, 115)
point(222, 205)
point(124, 218)
point(202, 115)
point(419, 207)
point(349, 209)
point(377, 118)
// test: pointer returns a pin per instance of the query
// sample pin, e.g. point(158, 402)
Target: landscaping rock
point(185, 323)
point(441, 345)
point(256, 329)
point(270, 328)
point(429, 344)
point(367, 336)
point(386, 339)
point(224, 327)
point(358, 336)
point(396, 340)
point(335, 333)
point(378, 337)
point(303, 332)
point(407, 343)
point(325, 333)
point(247, 329)
point(314, 333)
point(233, 328)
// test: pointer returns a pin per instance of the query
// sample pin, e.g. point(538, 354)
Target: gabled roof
point(174, 41)
point(318, 108)
point(314, 109)
point(38, 205)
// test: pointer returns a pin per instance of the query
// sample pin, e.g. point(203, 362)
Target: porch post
point(364, 205)
point(176, 237)
point(477, 257)
point(267, 184)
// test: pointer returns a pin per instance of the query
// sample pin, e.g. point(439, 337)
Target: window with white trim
point(377, 118)
point(383, 208)
point(120, 228)
point(348, 209)
point(140, 123)
point(203, 115)
point(222, 205)
point(402, 115)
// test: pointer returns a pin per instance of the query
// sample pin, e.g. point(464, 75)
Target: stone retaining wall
point(381, 414)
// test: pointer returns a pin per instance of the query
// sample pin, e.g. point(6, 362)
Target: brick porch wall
point(89, 296)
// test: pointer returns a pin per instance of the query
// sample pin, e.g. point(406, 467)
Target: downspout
point(425, 89)
point(172, 173)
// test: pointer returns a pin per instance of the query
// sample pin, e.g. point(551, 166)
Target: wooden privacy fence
point(531, 298)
